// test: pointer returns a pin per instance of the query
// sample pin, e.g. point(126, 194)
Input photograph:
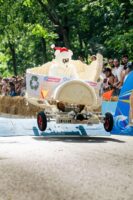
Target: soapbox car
point(66, 99)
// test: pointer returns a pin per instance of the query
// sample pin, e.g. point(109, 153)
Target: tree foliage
point(29, 27)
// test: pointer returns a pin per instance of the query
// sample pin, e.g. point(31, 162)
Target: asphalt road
point(39, 168)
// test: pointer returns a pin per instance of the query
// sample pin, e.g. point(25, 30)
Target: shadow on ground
point(78, 139)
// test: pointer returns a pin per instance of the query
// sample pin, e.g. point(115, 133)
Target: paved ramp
point(23, 127)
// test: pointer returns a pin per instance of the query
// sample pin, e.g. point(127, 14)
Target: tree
point(29, 27)
point(23, 37)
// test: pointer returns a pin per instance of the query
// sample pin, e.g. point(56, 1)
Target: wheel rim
point(106, 124)
point(40, 121)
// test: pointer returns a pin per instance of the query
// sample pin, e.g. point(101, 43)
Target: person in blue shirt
point(12, 89)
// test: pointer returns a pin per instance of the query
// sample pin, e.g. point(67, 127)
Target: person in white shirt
point(117, 70)
point(124, 75)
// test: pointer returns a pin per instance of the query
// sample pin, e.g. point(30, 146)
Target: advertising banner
point(40, 86)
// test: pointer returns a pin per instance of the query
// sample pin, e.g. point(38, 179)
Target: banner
point(40, 86)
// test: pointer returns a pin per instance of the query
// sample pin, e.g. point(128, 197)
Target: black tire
point(42, 121)
point(108, 122)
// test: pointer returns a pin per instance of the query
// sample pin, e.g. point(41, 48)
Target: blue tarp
point(108, 106)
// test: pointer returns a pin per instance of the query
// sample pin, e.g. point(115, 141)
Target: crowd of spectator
point(14, 86)
point(115, 73)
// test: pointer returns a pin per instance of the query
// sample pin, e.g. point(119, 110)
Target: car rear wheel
point(108, 122)
point(42, 121)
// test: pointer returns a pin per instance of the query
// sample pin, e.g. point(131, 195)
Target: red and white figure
point(61, 66)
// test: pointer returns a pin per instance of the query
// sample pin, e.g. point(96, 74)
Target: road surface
point(44, 168)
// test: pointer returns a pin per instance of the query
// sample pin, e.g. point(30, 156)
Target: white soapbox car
point(65, 100)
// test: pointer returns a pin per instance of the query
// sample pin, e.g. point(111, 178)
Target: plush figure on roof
point(61, 65)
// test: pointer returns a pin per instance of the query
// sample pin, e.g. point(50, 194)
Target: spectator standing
point(124, 71)
point(0, 88)
point(117, 70)
point(14, 86)
point(4, 90)
point(12, 89)
point(23, 89)
point(128, 70)
point(124, 61)
point(18, 86)
point(0, 79)
point(0, 85)
point(108, 82)
point(110, 63)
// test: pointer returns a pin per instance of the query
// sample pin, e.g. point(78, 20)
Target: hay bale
point(21, 105)
point(7, 101)
point(17, 106)
point(14, 110)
